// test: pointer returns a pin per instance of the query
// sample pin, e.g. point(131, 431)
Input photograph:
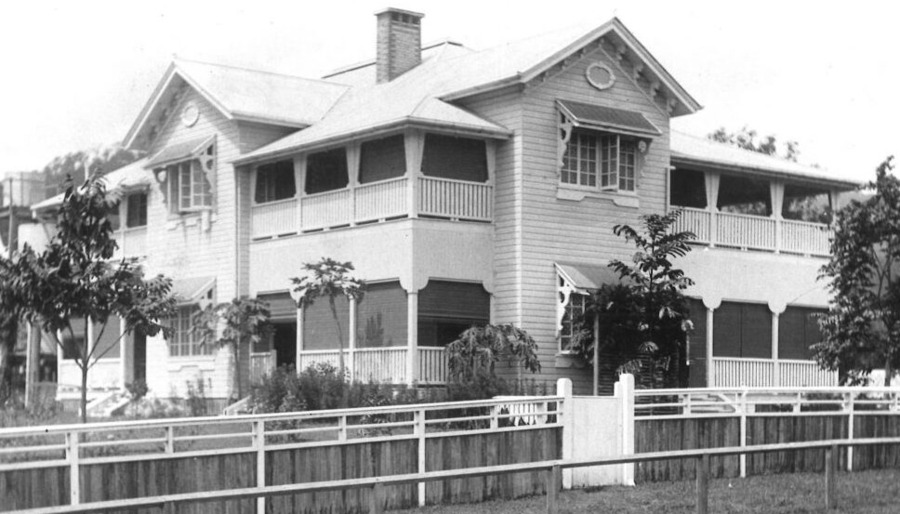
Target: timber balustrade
point(377, 201)
point(551, 470)
point(748, 232)
point(745, 371)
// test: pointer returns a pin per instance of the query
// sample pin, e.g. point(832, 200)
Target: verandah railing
point(384, 364)
point(749, 372)
point(376, 201)
point(754, 232)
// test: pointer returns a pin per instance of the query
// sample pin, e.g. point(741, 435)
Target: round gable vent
point(600, 76)
point(190, 114)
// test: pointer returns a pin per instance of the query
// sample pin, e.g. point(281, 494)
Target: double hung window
point(185, 341)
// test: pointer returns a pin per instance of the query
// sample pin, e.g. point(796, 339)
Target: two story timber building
point(466, 187)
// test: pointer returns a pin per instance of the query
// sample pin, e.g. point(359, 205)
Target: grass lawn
point(862, 492)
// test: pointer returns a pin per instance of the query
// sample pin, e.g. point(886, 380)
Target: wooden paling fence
point(101, 462)
point(677, 419)
point(551, 471)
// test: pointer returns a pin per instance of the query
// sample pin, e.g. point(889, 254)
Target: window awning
point(195, 290)
point(179, 152)
point(598, 117)
point(586, 277)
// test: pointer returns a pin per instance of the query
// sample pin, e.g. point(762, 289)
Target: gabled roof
point(423, 95)
point(689, 150)
point(241, 94)
point(132, 176)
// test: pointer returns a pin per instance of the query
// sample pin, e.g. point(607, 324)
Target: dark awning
point(179, 152)
point(587, 277)
point(610, 119)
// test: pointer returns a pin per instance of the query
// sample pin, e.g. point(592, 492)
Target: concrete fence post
point(564, 389)
point(626, 392)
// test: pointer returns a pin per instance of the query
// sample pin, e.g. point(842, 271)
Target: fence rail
point(263, 438)
point(551, 469)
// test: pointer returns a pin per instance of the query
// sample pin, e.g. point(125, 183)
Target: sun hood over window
point(608, 119)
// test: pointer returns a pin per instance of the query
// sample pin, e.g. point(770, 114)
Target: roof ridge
point(254, 70)
point(370, 62)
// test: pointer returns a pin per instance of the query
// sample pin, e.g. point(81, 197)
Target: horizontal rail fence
point(549, 470)
point(680, 419)
point(97, 462)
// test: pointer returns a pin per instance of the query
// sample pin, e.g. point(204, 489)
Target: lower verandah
point(375, 331)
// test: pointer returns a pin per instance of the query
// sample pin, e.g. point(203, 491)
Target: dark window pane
point(727, 330)
point(687, 189)
point(382, 159)
point(756, 331)
point(455, 158)
point(744, 195)
point(275, 181)
point(326, 171)
point(137, 210)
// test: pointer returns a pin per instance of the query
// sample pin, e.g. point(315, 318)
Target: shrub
point(196, 398)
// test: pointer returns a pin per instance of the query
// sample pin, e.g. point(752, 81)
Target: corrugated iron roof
point(688, 149)
point(608, 118)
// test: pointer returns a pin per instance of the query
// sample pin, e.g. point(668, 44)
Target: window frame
point(576, 301)
point(198, 195)
point(603, 161)
point(186, 340)
point(129, 199)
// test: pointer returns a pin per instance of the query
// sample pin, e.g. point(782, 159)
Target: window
point(189, 189)
point(742, 330)
point(574, 310)
point(614, 155)
point(798, 329)
point(275, 182)
point(326, 171)
point(382, 159)
point(458, 158)
point(185, 341)
point(136, 210)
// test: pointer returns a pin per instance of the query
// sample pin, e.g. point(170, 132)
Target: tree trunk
point(237, 370)
point(8, 333)
point(84, 377)
point(340, 349)
point(888, 371)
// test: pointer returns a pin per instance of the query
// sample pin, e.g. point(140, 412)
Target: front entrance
point(284, 342)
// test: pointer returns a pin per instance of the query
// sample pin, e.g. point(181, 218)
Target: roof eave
point(707, 164)
point(266, 120)
point(374, 131)
point(488, 87)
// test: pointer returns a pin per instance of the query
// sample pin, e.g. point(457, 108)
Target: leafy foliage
point(861, 329)
point(240, 323)
point(330, 279)
point(747, 139)
point(80, 165)
point(74, 278)
point(480, 348)
point(646, 315)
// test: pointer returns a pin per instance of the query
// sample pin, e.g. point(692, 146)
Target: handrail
point(552, 467)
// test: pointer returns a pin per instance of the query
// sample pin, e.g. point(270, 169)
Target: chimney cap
point(387, 10)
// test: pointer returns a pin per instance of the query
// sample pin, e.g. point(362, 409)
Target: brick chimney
point(399, 43)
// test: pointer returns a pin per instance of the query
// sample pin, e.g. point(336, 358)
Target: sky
point(824, 74)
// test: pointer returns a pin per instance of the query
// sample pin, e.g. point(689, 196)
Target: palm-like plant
point(329, 279)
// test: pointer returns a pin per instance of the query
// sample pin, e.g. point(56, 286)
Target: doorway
point(284, 341)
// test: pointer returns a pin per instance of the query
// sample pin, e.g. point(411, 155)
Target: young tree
point(330, 279)
point(647, 314)
point(861, 330)
point(237, 324)
point(74, 278)
point(480, 348)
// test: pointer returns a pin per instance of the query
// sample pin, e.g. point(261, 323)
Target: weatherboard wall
point(553, 229)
